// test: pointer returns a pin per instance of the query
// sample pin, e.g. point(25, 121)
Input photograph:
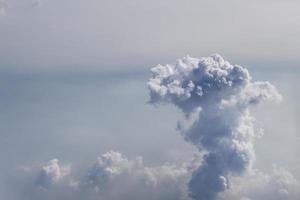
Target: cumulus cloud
point(278, 185)
point(52, 173)
point(109, 166)
point(113, 176)
point(224, 129)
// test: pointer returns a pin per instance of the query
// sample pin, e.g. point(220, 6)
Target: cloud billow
point(113, 176)
point(221, 93)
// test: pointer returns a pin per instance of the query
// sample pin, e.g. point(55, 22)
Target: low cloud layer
point(277, 185)
point(112, 176)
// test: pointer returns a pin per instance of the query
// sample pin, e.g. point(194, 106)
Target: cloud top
point(192, 82)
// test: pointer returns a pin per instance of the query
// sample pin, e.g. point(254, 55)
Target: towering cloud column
point(221, 93)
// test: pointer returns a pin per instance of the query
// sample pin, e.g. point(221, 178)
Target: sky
point(110, 34)
point(75, 102)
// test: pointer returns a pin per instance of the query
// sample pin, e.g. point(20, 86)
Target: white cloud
point(224, 128)
point(52, 173)
point(278, 185)
point(114, 177)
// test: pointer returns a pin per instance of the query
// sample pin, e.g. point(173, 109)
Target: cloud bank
point(112, 176)
point(277, 185)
